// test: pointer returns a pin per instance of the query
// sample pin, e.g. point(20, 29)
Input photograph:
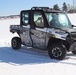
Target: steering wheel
point(64, 24)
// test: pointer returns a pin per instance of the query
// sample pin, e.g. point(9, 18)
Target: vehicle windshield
point(58, 20)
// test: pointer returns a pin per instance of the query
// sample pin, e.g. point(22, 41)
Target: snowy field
point(31, 61)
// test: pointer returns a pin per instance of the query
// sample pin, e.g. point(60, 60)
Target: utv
point(47, 29)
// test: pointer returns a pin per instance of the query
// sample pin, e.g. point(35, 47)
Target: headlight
point(52, 35)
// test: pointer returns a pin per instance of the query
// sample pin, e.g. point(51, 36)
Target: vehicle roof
point(44, 9)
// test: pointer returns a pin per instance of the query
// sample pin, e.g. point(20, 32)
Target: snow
point(28, 60)
point(72, 18)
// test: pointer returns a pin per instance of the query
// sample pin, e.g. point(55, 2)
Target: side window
point(25, 18)
point(38, 19)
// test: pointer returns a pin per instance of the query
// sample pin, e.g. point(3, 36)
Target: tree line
point(65, 7)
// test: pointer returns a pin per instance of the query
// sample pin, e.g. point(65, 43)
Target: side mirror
point(73, 26)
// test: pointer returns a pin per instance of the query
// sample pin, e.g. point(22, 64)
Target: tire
point(74, 52)
point(16, 43)
point(57, 51)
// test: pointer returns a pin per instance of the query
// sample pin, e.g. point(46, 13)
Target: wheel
point(16, 43)
point(57, 51)
point(74, 52)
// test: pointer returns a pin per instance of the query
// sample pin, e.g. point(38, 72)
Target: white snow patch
point(72, 18)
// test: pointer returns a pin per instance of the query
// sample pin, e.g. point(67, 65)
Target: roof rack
point(40, 8)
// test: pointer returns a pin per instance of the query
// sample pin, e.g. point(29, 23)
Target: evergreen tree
point(56, 7)
point(64, 8)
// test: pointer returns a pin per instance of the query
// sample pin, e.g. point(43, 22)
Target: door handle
point(31, 33)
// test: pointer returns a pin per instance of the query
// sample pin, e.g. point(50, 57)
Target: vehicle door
point(25, 28)
point(38, 34)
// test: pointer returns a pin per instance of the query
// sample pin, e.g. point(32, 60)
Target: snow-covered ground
point(31, 61)
point(72, 18)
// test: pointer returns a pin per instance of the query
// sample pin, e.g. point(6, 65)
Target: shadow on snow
point(28, 55)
